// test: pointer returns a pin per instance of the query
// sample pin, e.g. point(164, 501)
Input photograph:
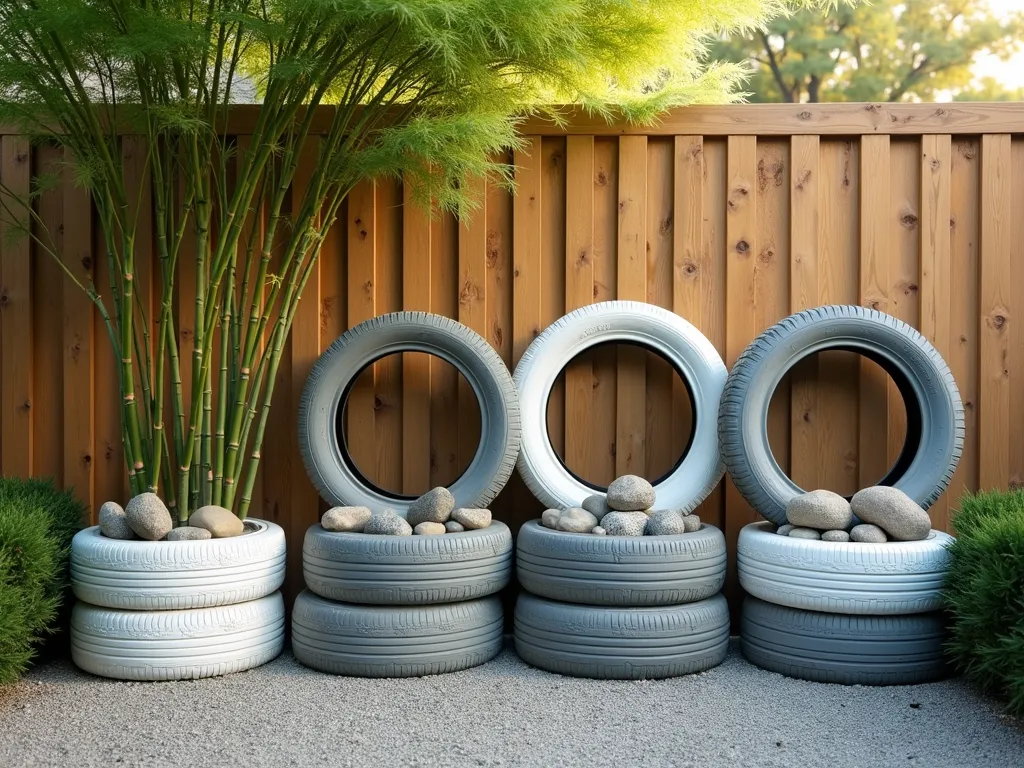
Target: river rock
point(148, 517)
point(344, 519)
point(824, 510)
point(453, 527)
point(222, 523)
point(785, 529)
point(665, 522)
point(472, 519)
point(189, 533)
point(893, 511)
point(599, 531)
point(630, 493)
point(597, 505)
point(388, 523)
point(114, 521)
point(625, 523)
point(434, 506)
point(835, 536)
point(549, 518)
point(430, 529)
point(867, 533)
point(691, 523)
point(804, 533)
point(576, 520)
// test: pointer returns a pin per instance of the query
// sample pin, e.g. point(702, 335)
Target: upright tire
point(935, 415)
point(621, 643)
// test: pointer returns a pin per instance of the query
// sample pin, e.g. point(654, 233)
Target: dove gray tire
point(685, 348)
point(395, 641)
point(621, 643)
point(407, 570)
point(835, 648)
point(935, 414)
point(322, 444)
point(177, 645)
point(620, 570)
point(897, 577)
point(177, 575)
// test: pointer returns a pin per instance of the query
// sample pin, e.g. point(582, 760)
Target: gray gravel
point(503, 713)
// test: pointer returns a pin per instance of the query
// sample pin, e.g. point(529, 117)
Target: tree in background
point(888, 50)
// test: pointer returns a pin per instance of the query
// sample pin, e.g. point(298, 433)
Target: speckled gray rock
point(549, 518)
point(664, 522)
point(625, 523)
point(114, 522)
point(597, 505)
point(804, 533)
point(785, 529)
point(824, 510)
point(835, 536)
point(430, 529)
point(599, 531)
point(344, 519)
point(434, 506)
point(222, 523)
point(148, 517)
point(691, 523)
point(630, 493)
point(867, 533)
point(576, 520)
point(453, 527)
point(387, 523)
point(893, 511)
point(472, 519)
point(189, 533)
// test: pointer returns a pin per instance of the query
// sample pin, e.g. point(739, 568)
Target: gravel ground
point(503, 713)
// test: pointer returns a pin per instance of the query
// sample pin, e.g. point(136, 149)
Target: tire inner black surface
point(678, 372)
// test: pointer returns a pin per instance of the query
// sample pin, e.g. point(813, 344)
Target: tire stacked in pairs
point(842, 612)
point(621, 607)
point(403, 606)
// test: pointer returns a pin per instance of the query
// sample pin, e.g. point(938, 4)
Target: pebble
point(824, 510)
point(114, 522)
point(222, 523)
point(804, 533)
point(434, 506)
point(549, 518)
point(893, 511)
point(691, 523)
point(453, 527)
point(345, 519)
point(576, 520)
point(785, 529)
point(665, 522)
point(430, 529)
point(599, 531)
point(835, 536)
point(625, 523)
point(866, 533)
point(148, 517)
point(630, 493)
point(472, 519)
point(597, 505)
point(388, 523)
point(189, 533)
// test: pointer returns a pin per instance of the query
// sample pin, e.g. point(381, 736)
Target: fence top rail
point(837, 119)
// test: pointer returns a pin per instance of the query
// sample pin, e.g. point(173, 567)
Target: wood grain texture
point(444, 379)
point(604, 360)
point(1016, 333)
point(552, 279)
point(387, 379)
point(472, 311)
point(527, 216)
point(362, 292)
point(416, 278)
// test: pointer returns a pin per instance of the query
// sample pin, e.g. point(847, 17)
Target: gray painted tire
point(935, 415)
point(177, 575)
point(681, 344)
point(621, 643)
point(393, 641)
point(894, 578)
point(327, 461)
point(620, 570)
point(407, 570)
point(177, 645)
point(851, 650)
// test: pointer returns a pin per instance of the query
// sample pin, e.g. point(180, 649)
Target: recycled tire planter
point(837, 648)
point(620, 570)
point(321, 407)
point(694, 358)
point(407, 570)
point(177, 575)
point(394, 641)
point(621, 643)
point(897, 577)
point(935, 415)
point(177, 645)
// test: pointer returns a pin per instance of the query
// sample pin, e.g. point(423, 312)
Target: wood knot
point(556, 159)
point(934, 163)
point(469, 293)
point(87, 459)
point(806, 417)
point(689, 268)
point(515, 272)
point(742, 247)
point(805, 115)
point(87, 263)
point(665, 226)
point(362, 234)
point(967, 150)
point(909, 288)
point(497, 335)
point(998, 321)
point(581, 259)
point(952, 222)
point(767, 256)
point(909, 220)
point(5, 300)
point(26, 406)
point(804, 178)
point(601, 179)
point(872, 108)
point(378, 404)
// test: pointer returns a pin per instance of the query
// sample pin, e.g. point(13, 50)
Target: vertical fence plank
point(111, 478)
point(528, 206)
point(362, 262)
point(444, 384)
point(472, 310)
point(604, 359)
point(499, 268)
point(387, 403)
point(552, 281)
point(415, 365)
point(1016, 332)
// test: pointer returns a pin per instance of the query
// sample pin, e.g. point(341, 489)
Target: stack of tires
point(623, 607)
point(842, 612)
point(403, 606)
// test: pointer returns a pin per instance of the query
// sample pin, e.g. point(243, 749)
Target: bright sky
point(1010, 72)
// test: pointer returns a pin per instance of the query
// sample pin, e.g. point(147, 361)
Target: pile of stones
point(874, 515)
point(146, 517)
point(432, 514)
point(626, 510)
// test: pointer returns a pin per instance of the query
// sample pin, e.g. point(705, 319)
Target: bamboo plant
point(427, 90)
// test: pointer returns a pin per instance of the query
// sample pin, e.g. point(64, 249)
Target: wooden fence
point(732, 217)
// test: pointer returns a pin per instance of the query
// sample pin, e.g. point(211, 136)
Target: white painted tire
point(177, 645)
point(621, 322)
point(177, 575)
point(898, 577)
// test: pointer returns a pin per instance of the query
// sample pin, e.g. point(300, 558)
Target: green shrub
point(37, 523)
point(985, 594)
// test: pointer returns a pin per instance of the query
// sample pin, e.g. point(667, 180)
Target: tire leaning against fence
point(837, 648)
point(935, 414)
point(620, 570)
point(321, 438)
point(693, 357)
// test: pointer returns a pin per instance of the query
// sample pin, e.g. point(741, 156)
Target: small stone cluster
point(881, 514)
point(626, 510)
point(432, 514)
point(147, 517)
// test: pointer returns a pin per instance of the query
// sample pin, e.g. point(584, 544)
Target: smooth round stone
point(893, 511)
point(453, 527)
point(472, 519)
point(625, 523)
point(823, 510)
point(388, 523)
point(549, 518)
point(576, 520)
point(114, 521)
point(785, 529)
point(434, 506)
point(804, 533)
point(430, 529)
point(866, 533)
point(664, 522)
point(148, 517)
point(345, 519)
point(221, 522)
point(189, 533)
point(630, 493)
point(599, 531)
point(692, 523)
point(835, 536)
point(597, 505)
